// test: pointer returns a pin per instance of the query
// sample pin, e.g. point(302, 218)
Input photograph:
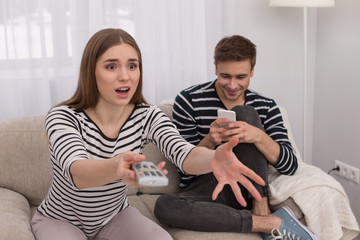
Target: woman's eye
point(111, 67)
point(132, 66)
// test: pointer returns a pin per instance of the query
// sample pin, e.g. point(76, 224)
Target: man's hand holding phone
point(230, 115)
point(217, 128)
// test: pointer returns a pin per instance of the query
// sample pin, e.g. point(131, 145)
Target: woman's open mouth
point(122, 92)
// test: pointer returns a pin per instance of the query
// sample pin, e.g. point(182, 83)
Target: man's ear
point(252, 71)
point(216, 69)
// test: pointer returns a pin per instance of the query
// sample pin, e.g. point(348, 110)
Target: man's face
point(233, 78)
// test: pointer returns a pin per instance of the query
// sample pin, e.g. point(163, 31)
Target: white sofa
point(25, 176)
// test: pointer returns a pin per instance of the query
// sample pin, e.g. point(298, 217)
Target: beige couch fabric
point(25, 177)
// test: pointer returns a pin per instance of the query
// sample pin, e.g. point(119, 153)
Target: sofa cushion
point(24, 157)
point(15, 215)
point(183, 234)
point(135, 201)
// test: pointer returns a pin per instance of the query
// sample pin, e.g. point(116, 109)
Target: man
point(262, 138)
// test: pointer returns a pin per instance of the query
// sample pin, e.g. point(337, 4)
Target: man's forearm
point(205, 142)
point(266, 145)
point(269, 148)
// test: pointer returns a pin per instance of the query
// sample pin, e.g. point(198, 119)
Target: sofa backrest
point(24, 157)
point(25, 165)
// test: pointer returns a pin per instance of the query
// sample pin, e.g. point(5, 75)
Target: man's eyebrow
point(242, 75)
point(238, 75)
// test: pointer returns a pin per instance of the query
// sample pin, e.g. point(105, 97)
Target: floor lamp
point(304, 4)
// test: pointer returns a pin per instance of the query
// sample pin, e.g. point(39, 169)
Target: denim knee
point(247, 114)
point(164, 210)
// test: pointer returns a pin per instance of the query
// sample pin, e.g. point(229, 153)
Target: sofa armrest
point(14, 216)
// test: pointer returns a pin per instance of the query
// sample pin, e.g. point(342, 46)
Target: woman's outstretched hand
point(229, 170)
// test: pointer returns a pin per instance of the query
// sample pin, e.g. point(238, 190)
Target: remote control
point(149, 175)
point(226, 114)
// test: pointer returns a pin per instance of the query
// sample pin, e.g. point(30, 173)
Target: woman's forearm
point(198, 161)
point(92, 172)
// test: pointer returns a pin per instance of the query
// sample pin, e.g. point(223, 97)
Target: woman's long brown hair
point(87, 93)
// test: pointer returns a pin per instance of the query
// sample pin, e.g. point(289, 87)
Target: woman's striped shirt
point(74, 136)
point(195, 108)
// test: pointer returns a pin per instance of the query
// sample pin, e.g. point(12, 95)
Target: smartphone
point(222, 113)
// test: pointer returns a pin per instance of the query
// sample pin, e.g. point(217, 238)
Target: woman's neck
point(110, 120)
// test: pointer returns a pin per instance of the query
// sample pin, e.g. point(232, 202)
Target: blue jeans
point(193, 208)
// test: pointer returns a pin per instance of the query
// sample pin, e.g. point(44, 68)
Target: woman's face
point(117, 75)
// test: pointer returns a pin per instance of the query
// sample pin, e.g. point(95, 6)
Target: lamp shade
point(302, 3)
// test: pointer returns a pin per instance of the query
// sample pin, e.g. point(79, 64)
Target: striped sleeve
point(274, 127)
point(184, 118)
point(163, 133)
point(65, 140)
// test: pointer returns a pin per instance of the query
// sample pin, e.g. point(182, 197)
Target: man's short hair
point(235, 48)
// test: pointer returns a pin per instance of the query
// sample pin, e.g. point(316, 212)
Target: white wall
point(337, 107)
point(333, 74)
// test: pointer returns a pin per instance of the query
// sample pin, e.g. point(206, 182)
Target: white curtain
point(41, 43)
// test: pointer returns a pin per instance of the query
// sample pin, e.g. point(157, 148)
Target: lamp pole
point(304, 4)
point(305, 85)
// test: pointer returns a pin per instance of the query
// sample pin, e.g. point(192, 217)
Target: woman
point(96, 135)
